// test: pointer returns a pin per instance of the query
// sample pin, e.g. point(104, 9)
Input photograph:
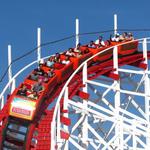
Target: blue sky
point(19, 20)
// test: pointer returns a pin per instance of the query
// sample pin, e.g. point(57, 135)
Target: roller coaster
point(98, 99)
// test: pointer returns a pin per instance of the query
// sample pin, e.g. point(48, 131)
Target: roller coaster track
point(38, 134)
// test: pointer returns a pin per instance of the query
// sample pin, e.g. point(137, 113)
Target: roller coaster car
point(127, 47)
point(103, 56)
point(63, 71)
point(77, 61)
point(25, 107)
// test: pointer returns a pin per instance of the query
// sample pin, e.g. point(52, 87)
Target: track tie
point(66, 121)
point(64, 134)
point(112, 75)
point(83, 95)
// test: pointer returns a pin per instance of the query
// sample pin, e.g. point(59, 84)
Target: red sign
point(21, 111)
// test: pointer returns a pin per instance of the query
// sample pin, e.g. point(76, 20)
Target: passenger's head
point(51, 58)
point(52, 69)
point(35, 73)
point(70, 49)
point(79, 44)
point(41, 61)
point(100, 38)
point(24, 87)
point(40, 81)
point(57, 55)
point(80, 52)
point(45, 75)
point(66, 57)
point(125, 34)
point(117, 35)
point(91, 42)
point(130, 34)
point(86, 51)
point(35, 93)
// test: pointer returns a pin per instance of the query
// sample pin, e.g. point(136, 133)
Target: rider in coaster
point(23, 91)
point(66, 61)
point(100, 41)
point(92, 44)
point(123, 37)
point(115, 38)
point(70, 52)
point(57, 58)
point(37, 87)
point(50, 62)
point(33, 95)
point(34, 76)
point(51, 73)
point(39, 71)
point(78, 48)
point(130, 36)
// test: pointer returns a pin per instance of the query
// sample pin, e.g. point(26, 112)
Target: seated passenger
point(50, 62)
point(33, 95)
point(92, 44)
point(45, 79)
point(41, 62)
point(23, 91)
point(66, 61)
point(130, 36)
point(100, 41)
point(78, 49)
point(38, 86)
point(115, 38)
point(34, 76)
point(51, 73)
point(57, 58)
point(79, 54)
point(39, 71)
point(86, 51)
point(70, 52)
point(123, 37)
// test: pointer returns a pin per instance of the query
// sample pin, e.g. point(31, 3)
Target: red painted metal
point(66, 121)
point(40, 127)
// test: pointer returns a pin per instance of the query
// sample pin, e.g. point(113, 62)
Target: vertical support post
point(58, 126)
point(9, 65)
point(115, 24)
point(1, 106)
point(2, 103)
point(118, 127)
point(115, 59)
point(134, 145)
point(38, 44)
point(77, 32)
point(85, 104)
point(145, 50)
point(147, 93)
point(12, 85)
point(53, 134)
point(66, 147)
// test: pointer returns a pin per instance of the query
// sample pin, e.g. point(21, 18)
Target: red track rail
point(38, 131)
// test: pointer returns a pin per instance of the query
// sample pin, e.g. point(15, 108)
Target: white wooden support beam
point(115, 24)
point(2, 102)
point(147, 93)
point(38, 44)
point(12, 85)
point(77, 32)
point(145, 51)
point(85, 103)
point(9, 65)
point(65, 107)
